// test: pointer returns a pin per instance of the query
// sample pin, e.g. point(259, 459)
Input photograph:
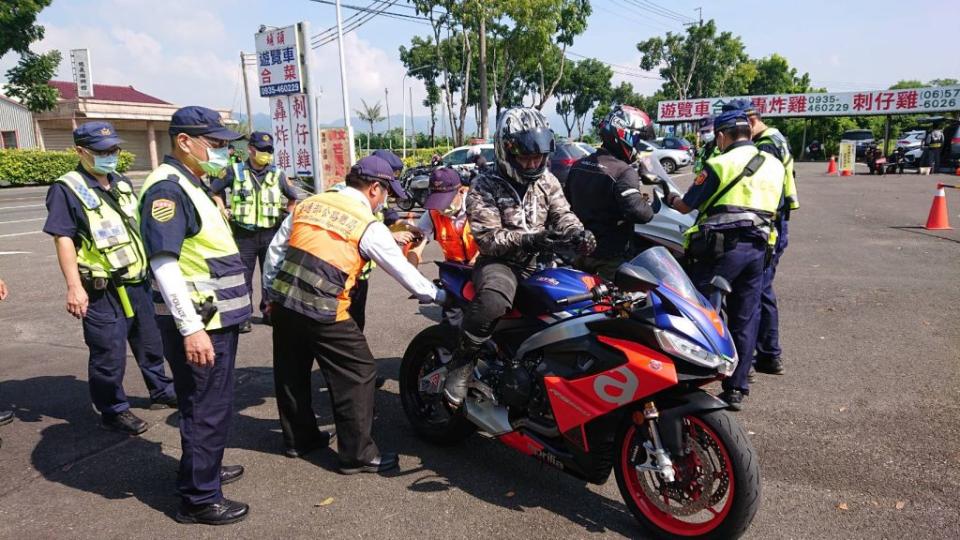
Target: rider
point(516, 211)
point(604, 190)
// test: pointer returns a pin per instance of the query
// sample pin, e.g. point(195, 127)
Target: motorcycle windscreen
point(659, 262)
point(652, 165)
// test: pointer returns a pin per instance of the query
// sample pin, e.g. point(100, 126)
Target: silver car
point(671, 160)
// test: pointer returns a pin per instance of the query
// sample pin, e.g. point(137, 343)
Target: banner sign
point(278, 62)
point(875, 102)
point(80, 62)
point(283, 155)
point(302, 135)
point(335, 155)
point(848, 156)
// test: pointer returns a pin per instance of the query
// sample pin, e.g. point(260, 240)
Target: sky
point(187, 52)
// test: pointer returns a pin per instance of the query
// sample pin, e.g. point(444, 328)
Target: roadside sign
point(283, 156)
point(871, 102)
point(335, 155)
point(302, 135)
point(82, 73)
point(848, 157)
point(278, 62)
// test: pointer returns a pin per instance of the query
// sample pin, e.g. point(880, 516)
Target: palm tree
point(370, 115)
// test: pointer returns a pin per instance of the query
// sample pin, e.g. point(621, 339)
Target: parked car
point(566, 154)
point(457, 158)
point(861, 137)
point(671, 159)
point(909, 140)
point(587, 147)
point(675, 143)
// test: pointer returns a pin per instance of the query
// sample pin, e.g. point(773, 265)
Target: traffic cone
point(939, 218)
point(846, 172)
point(832, 166)
point(957, 172)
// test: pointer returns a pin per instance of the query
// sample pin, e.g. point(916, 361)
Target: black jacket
point(604, 192)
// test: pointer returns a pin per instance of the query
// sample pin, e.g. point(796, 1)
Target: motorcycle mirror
point(633, 278)
point(721, 283)
point(648, 179)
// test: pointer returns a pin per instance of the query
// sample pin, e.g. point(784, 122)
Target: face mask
point(217, 161)
point(262, 159)
point(453, 209)
point(707, 137)
point(105, 164)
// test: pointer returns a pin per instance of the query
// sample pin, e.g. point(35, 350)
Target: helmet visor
point(530, 142)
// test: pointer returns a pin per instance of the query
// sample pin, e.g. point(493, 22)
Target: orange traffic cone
point(957, 172)
point(939, 218)
point(832, 166)
point(846, 172)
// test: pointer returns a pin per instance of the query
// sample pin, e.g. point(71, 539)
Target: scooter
point(416, 182)
point(667, 226)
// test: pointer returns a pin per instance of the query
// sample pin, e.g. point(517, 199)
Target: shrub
point(23, 167)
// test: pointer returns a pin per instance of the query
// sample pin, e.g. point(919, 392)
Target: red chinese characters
point(281, 134)
point(702, 108)
point(775, 105)
point(863, 102)
point(279, 111)
point(685, 109)
point(797, 104)
point(760, 104)
point(668, 110)
point(289, 72)
point(906, 100)
point(283, 158)
point(884, 101)
point(304, 161)
point(265, 76)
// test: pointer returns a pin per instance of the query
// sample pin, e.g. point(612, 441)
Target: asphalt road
point(860, 439)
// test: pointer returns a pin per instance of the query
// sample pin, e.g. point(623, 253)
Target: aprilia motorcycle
point(591, 377)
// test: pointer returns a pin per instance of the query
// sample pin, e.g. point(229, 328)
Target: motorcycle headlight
point(695, 354)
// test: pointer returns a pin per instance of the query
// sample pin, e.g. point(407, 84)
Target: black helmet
point(622, 129)
point(522, 131)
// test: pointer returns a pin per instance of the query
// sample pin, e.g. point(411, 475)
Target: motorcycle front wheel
point(406, 204)
point(716, 490)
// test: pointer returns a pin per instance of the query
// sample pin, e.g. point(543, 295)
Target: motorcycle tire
point(406, 204)
point(713, 434)
point(428, 414)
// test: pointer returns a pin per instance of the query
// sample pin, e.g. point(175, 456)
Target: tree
point(370, 115)
point(27, 80)
point(773, 75)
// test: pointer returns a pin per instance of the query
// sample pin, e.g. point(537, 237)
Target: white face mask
point(707, 137)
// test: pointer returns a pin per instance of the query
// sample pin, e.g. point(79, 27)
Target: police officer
point(604, 190)
point(257, 189)
point(708, 144)
point(201, 298)
point(92, 216)
point(312, 265)
point(770, 140)
point(737, 195)
point(5, 416)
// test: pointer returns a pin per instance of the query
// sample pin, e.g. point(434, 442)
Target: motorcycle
point(416, 182)
point(667, 226)
point(593, 377)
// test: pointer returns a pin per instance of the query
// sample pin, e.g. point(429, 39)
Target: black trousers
point(348, 367)
point(253, 249)
point(358, 302)
point(495, 284)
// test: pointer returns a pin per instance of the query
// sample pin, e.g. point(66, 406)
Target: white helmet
point(522, 131)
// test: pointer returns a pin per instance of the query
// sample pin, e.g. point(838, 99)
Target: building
point(16, 125)
point(141, 120)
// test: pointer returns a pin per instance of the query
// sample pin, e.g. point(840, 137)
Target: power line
point(619, 69)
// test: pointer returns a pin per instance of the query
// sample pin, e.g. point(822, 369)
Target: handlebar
point(594, 294)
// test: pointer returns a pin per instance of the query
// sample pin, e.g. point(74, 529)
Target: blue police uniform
point(741, 263)
point(768, 334)
point(206, 393)
point(106, 330)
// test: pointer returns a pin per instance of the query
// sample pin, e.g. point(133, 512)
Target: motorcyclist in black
point(604, 190)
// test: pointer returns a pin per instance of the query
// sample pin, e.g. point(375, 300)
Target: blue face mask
point(105, 164)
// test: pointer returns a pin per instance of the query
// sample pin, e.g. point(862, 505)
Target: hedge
point(24, 167)
point(419, 156)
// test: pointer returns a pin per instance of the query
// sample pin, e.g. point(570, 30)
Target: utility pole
point(343, 85)
point(484, 106)
point(386, 99)
point(413, 131)
point(246, 91)
point(700, 11)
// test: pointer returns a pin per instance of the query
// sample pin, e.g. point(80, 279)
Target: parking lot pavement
point(860, 439)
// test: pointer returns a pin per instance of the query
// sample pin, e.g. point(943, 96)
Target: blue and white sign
point(279, 72)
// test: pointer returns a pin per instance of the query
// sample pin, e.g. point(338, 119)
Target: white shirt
point(425, 224)
point(376, 244)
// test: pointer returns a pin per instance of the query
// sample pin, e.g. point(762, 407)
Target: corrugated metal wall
point(17, 119)
point(136, 142)
point(56, 138)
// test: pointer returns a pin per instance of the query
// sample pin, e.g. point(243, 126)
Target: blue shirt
point(65, 212)
point(166, 234)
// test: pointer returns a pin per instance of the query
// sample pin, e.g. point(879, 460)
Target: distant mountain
point(261, 121)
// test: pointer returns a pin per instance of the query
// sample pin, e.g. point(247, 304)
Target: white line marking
point(22, 220)
point(23, 206)
point(19, 234)
point(15, 252)
point(3, 199)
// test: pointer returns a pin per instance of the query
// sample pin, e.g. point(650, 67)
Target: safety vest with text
point(752, 202)
point(772, 136)
point(323, 259)
point(255, 207)
point(114, 243)
point(457, 243)
point(210, 261)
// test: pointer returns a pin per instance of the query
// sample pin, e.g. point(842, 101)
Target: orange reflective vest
point(323, 257)
point(457, 244)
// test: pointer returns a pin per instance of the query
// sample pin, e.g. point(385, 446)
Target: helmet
point(522, 131)
point(622, 129)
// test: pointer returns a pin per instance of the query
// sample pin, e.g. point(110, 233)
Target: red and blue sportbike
point(591, 377)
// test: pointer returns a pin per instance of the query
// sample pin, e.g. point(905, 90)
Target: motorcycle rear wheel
point(720, 463)
point(406, 204)
point(427, 413)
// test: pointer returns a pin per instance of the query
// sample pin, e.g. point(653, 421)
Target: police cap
point(196, 121)
point(96, 136)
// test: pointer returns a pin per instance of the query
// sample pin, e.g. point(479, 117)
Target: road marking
point(19, 234)
point(22, 220)
point(15, 252)
point(2, 199)
point(23, 206)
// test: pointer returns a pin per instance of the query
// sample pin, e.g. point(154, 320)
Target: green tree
point(773, 75)
point(371, 115)
point(28, 79)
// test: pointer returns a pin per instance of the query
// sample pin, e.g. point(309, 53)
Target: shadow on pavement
point(923, 231)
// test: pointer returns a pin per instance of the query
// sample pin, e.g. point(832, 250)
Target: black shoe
point(168, 402)
point(246, 327)
point(230, 473)
point(125, 422)
point(734, 399)
point(6, 417)
point(265, 320)
point(751, 375)
point(326, 437)
point(224, 512)
point(773, 366)
point(384, 462)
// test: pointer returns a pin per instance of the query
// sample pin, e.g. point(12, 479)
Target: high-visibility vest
point(114, 243)
point(255, 207)
point(773, 137)
point(753, 200)
point(702, 156)
point(323, 257)
point(210, 261)
point(457, 244)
